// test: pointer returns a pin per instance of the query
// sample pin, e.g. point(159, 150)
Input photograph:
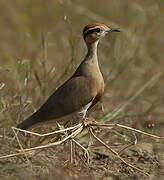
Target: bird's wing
point(68, 98)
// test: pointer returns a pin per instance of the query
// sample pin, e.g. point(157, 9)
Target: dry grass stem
point(21, 147)
point(86, 155)
point(72, 135)
point(109, 126)
point(76, 130)
point(114, 152)
point(51, 133)
point(128, 146)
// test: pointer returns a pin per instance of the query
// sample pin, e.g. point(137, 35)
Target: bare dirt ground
point(53, 163)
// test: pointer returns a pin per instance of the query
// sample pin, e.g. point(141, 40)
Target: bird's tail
point(33, 119)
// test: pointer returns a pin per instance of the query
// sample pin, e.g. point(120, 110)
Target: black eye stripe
point(97, 30)
point(92, 31)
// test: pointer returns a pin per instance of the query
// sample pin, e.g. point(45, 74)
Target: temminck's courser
point(81, 91)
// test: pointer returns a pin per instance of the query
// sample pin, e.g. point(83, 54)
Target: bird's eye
point(97, 30)
point(91, 31)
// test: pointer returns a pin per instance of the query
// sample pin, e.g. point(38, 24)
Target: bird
point(81, 91)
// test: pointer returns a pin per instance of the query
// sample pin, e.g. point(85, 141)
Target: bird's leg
point(71, 154)
point(79, 116)
point(71, 150)
point(86, 154)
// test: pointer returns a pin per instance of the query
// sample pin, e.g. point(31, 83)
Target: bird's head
point(93, 32)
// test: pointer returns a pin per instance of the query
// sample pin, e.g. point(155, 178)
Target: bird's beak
point(113, 30)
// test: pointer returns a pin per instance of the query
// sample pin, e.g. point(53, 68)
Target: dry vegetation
point(41, 45)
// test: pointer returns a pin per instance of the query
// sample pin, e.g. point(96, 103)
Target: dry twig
point(73, 134)
point(114, 152)
point(75, 131)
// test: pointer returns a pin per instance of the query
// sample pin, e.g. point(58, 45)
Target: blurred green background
point(41, 45)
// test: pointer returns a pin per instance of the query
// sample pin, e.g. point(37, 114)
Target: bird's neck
point(89, 62)
point(92, 52)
